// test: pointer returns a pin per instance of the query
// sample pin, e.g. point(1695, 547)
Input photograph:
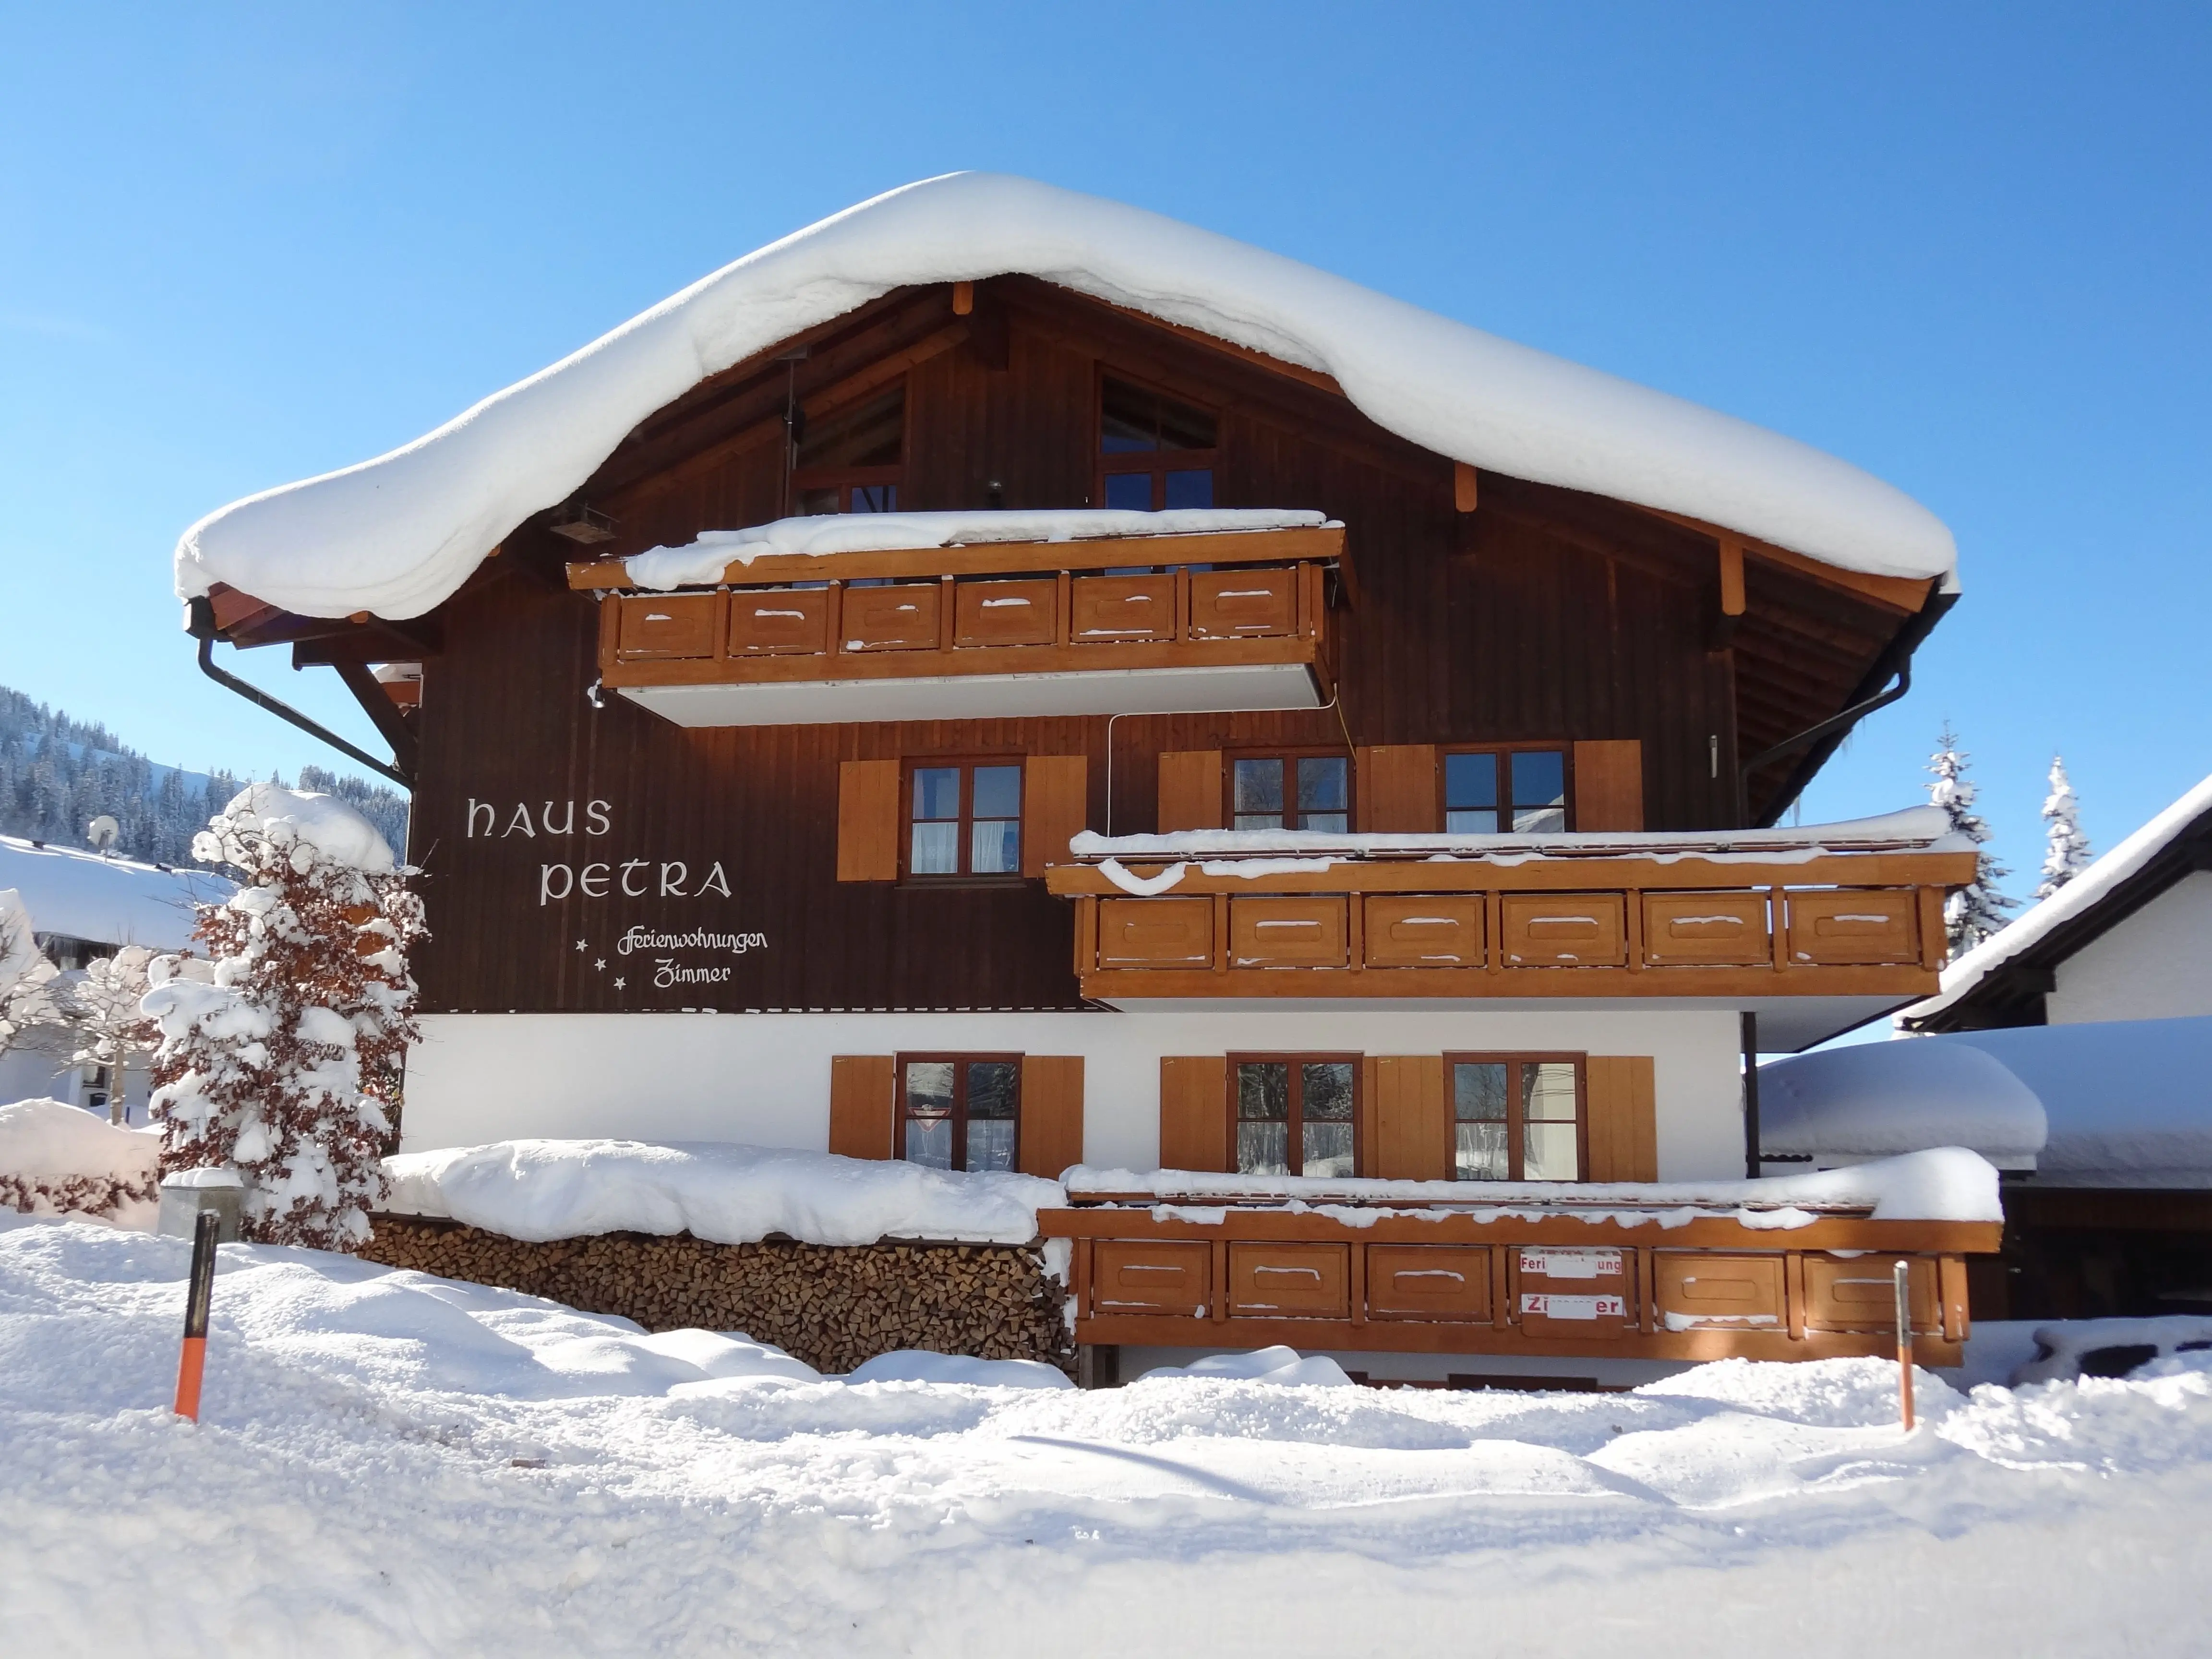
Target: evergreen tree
point(279, 1054)
point(2066, 849)
point(1976, 911)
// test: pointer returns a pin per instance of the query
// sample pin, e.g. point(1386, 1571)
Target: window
point(1154, 451)
point(1522, 792)
point(959, 1111)
point(1516, 1117)
point(1290, 792)
point(849, 461)
point(964, 818)
point(1296, 1113)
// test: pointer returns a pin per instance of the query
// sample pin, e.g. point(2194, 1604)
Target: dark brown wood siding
point(1543, 615)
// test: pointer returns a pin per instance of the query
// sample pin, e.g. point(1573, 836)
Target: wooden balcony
point(1474, 1279)
point(1230, 620)
point(1724, 925)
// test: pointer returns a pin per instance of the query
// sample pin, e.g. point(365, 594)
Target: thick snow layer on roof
point(702, 562)
point(731, 1194)
point(336, 831)
point(2128, 1101)
point(1246, 852)
point(1876, 1099)
point(2082, 893)
point(1945, 1184)
point(52, 1137)
point(80, 895)
point(397, 534)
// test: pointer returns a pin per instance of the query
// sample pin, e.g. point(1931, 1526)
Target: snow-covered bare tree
point(2065, 849)
point(28, 1016)
point(280, 1052)
point(1976, 911)
point(100, 1008)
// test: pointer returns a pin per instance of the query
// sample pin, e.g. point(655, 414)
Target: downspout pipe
point(199, 622)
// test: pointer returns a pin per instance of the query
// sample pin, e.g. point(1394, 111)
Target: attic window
point(1154, 452)
point(849, 460)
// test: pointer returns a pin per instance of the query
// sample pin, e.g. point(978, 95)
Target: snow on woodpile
point(80, 895)
point(57, 1159)
point(727, 1194)
point(1875, 1099)
point(701, 563)
point(2128, 1101)
point(1946, 1184)
point(2082, 894)
point(397, 534)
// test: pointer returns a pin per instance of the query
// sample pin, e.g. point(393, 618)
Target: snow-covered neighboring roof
point(80, 895)
point(702, 561)
point(2077, 898)
point(397, 534)
point(2128, 1101)
point(1881, 1099)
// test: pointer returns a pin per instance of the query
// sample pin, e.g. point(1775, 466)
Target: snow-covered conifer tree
point(2066, 849)
point(280, 1052)
point(1977, 911)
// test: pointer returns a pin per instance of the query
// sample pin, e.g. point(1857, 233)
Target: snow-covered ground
point(391, 1464)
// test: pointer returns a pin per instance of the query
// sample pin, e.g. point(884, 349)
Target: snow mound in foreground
point(727, 1194)
point(60, 1159)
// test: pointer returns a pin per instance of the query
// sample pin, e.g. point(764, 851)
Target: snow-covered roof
point(703, 561)
point(2102, 1104)
point(2076, 900)
point(80, 895)
point(1881, 1099)
point(395, 534)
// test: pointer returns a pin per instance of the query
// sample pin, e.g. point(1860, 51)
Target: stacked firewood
point(833, 1306)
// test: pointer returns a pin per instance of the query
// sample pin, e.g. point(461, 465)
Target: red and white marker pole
point(1902, 1280)
point(200, 1292)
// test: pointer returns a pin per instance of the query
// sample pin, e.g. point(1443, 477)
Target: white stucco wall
point(2157, 965)
point(764, 1079)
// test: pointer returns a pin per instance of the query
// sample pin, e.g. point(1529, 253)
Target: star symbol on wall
point(618, 982)
point(580, 945)
point(598, 964)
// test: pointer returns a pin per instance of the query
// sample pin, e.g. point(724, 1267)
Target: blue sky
point(1965, 248)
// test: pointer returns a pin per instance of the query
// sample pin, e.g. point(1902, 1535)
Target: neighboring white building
point(83, 907)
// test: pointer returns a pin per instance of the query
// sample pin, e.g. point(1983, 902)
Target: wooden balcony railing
point(1253, 598)
point(1473, 1280)
point(1834, 924)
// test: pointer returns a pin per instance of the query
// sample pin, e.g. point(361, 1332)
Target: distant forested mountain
point(56, 774)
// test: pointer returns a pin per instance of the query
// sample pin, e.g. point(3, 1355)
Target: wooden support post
point(1463, 486)
point(1501, 1288)
point(1359, 1284)
point(1064, 615)
point(1219, 1309)
point(1221, 945)
point(1731, 577)
point(964, 299)
point(1632, 910)
point(1793, 1292)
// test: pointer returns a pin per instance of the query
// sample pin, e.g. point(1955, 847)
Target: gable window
point(959, 1111)
point(1522, 792)
point(1516, 1117)
point(1290, 792)
point(1296, 1113)
point(964, 818)
point(1154, 452)
point(850, 460)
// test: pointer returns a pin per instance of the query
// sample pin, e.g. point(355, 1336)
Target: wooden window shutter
point(1396, 790)
point(1411, 1131)
point(1051, 1137)
point(1609, 785)
point(868, 821)
point(1055, 805)
point(1190, 791)
point(1623, 1121)
point(1194, 1112)
point(862, 1103)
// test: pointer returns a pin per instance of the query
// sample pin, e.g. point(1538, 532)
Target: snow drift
point(538, 1190)
point(395, 534)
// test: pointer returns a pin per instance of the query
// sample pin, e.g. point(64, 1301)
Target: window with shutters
point(963, 818)
point(1295, 1113)
point(851, 459)
point(959, 1111)
point(1516, 1117)
point(1154, 452)
point(1492, 792)
point(1290, 792)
